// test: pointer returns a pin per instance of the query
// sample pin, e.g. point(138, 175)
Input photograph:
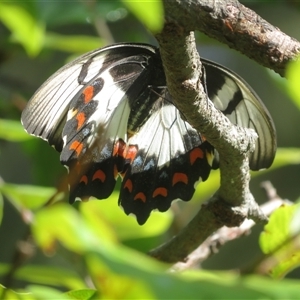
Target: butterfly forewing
point(109, 113)
point(95, 134)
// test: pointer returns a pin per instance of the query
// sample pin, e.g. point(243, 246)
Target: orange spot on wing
point(119, 148)
point(77, 146)
point(80, 119)
point(99, 174)
point(195, 154)
point(140, 196)
point(179, 177)
point(128, 185)
point(84, 179)
point(88, 93)
point(160, 191)
point(131, 152)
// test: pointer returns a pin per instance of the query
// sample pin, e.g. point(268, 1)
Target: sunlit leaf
point(272, 289)
point(44, 292)
point(150, 13)
point(280, 240)
point(64, 224)
point(49, 275)
point(85, 294)
point(25, 29)
point(116, 286)
point(13, 131)
point(120, 272)
point(15, 295)
point(27, 196)
point(164, 285)
point(92, 213)
point(125, 226)
point(293, 83)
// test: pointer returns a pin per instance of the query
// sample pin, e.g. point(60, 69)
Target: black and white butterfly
point(110, 114)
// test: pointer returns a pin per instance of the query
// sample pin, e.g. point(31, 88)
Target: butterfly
point(109, 114)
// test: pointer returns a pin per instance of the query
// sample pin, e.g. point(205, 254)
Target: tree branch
point(234, 201)
point(224, 235)
point(237, 26)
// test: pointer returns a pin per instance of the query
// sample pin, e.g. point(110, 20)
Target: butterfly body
point(110, 114)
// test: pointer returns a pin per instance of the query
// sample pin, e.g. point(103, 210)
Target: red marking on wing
point(80, 119)
point(88, 93)
point(131, 153)
point(84, 179)
point(99, 174)
point(195, 154)
point(160, 191)
point(140, 196)
point(179, 177)
point(77, 146)
point(128, 185)
point(119, 148)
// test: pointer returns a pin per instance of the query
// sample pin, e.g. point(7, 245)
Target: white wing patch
point(161, 136)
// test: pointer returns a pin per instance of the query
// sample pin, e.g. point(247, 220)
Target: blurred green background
point(38, 37)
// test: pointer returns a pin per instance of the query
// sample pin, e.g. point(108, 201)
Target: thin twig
point(224, 235)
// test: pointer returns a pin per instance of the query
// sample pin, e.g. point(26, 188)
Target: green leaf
point(44, 292)
point(27, 196)
point(293, 84)
point(119, 272)
point(46, 275)
point(13, 131)
point(70, 229)
point(8, 294)
point(125, 226)
point(272, 289)
point(127, 280)
point(150, 13)
point(85, 294)
point(113, 285)
point(25, 29)
point(281, 240)
point(73, 44)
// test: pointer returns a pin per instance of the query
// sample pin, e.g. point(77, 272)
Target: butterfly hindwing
point(236, 99)
point(170, 160)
